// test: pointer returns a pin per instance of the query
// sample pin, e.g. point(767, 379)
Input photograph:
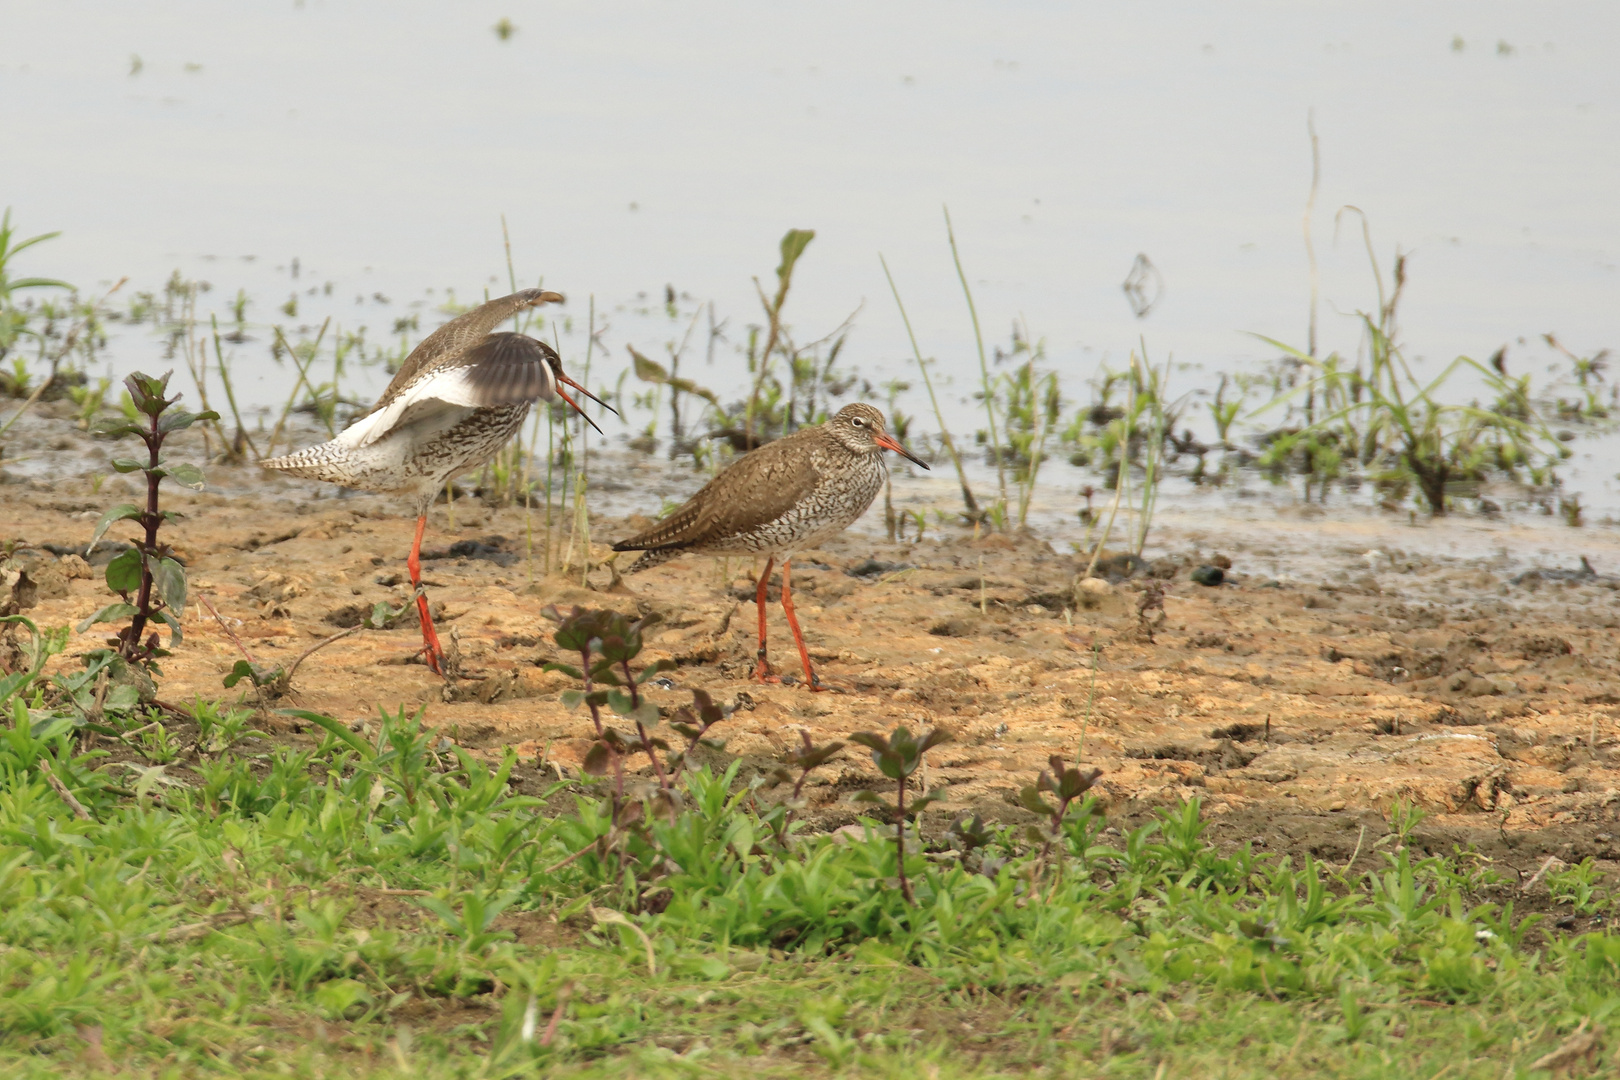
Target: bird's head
point(556, 379)
point(862, 430)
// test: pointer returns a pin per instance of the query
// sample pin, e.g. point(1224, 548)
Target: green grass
point(382, 903)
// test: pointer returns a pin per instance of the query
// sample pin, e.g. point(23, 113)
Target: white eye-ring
point(857, 421)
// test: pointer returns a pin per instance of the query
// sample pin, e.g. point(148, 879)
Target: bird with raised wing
point(789, 495)
point(461, 394)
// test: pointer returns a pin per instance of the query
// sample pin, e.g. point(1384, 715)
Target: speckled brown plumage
point(789, 495)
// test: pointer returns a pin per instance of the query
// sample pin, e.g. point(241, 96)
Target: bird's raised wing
point(502, 369)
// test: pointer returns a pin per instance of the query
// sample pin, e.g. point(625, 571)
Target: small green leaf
point(179, 420)
point(646, 714)
point(169, 619)
point(710, 713)
point(124, 572)
point(187, 474)
point(655, 669)
point(110, 613)
point(127, 464)
point(597, 759)
point(1031, 800)
point(117, 513)
point(648, 370)
point(112, 428)
point(170, 579)
point(338, 731)
point(619, 702)
point(572, 699)
point(567, 669)
point(793, 245)
point(382, 616)
point(258, 674)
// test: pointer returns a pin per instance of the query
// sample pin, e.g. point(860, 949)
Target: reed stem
point(984, 367)
point(922, 366)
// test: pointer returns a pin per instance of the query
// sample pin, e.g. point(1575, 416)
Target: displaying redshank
point(460, 395)
point(789, 495)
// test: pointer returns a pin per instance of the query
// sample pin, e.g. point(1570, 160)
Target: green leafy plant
point(897, 756)
point(794, 241)
point(13, 320)
point(1030, 405)
point(1066, 784)
point(607, 642)
point(1377, 414)
point(986, 395)
point(805, 760)
point(150, 582)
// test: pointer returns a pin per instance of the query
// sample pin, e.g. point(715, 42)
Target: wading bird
point(789, 495)
point(461, 394)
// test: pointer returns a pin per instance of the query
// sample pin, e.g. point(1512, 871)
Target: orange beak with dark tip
point(566, 381)
point(583, 415)
point(563, 380)
point(888, 442)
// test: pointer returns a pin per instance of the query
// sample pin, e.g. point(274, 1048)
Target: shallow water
point(632, 146)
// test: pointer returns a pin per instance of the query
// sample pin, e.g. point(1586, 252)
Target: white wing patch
point(452, 387)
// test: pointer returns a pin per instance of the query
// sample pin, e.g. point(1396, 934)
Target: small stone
point(1096, 586)
point(75, 567)
point(1335, 806)
point(1209, 575)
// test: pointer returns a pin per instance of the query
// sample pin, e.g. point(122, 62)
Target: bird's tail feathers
point(320, 462)
point(650, 559)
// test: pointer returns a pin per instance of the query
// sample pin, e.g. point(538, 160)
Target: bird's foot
point(433, 656)
point(818, 687)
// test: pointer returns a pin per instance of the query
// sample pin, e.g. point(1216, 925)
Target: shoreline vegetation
point(684, 874)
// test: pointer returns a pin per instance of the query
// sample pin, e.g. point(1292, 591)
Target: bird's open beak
point(564, 380)
point(891, 443)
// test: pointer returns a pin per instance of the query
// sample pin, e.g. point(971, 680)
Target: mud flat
point(1469, 667)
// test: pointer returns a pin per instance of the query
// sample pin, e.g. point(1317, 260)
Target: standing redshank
point(459, 396)
point(789, 495)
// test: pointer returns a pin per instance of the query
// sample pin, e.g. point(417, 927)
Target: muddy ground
point(1348, 660)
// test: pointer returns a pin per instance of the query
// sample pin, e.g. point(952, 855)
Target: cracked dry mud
point(1348, 662)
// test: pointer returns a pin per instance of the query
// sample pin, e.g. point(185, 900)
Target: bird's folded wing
point(755, 491)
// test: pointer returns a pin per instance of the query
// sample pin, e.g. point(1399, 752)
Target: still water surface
point(637, 145)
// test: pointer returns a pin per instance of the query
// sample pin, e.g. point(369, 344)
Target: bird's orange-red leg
point(762, 670)
point(430, 638)
point(793, 624)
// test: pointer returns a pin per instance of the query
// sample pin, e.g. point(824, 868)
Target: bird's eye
point(858, 422)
